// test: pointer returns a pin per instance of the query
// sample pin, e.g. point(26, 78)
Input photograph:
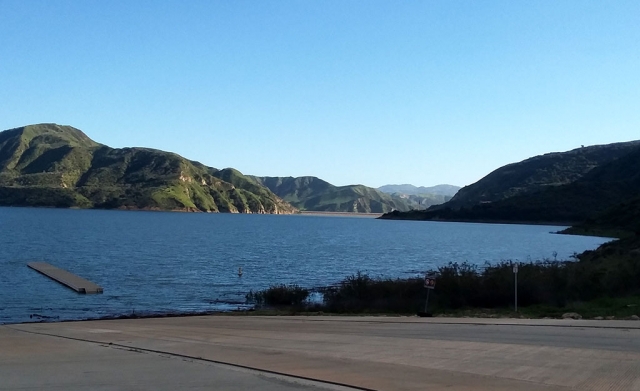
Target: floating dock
point(70, 280)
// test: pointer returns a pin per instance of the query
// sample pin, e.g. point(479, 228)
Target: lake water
point(153, 262)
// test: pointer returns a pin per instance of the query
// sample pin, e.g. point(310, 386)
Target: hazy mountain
point(53, 165)
point(421, 197)
point(443, 190)
point(313, 194)
point(421, 201)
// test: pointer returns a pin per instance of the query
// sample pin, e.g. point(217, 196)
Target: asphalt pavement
point(321, 352)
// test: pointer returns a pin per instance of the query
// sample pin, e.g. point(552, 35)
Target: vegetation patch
point(600, 283)
point(279, 296)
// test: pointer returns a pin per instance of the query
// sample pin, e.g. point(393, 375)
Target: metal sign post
point(515, 274)
point(426, 303)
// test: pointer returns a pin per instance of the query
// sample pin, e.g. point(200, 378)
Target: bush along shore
point(600, 283)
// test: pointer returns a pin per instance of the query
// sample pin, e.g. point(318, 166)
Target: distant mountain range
point(443, 190)
point(567, 187)
point(420, 198)
point(314, 194)
point(60, 166)
point(53, 165)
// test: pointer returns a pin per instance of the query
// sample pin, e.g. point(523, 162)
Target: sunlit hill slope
point(59, 166)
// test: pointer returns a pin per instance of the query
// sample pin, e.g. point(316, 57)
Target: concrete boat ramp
point(66, 278)
point(278, 353)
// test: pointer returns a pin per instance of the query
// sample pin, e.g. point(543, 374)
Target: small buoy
point(239, 272)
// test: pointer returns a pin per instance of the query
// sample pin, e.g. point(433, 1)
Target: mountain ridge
point(408, 189)
point(532, 174)
point(55, 165)
point(310, 193)
point(607, 176)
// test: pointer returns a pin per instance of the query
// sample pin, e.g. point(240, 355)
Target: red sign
point(430, 282)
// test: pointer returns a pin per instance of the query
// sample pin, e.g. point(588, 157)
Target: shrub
point(361, 293)
point(279, 295)
point(612, 271)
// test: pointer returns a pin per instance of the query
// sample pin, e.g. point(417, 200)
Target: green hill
point(53, 165)
point(539, 172)
point(613, 179)
point(313, 194)
point(295, 190)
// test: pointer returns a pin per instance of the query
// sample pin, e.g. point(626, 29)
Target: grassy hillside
point(53, 165)
point(356, 198)
point(296, 190)
point(314, 194)
point(538, 173)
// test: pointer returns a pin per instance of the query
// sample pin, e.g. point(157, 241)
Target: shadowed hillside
point(540, 172)
point(562, 187)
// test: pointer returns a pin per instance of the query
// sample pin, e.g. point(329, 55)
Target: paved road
point(38, 362)
point(373, 353)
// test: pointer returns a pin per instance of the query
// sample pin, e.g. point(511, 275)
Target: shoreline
point(339, 214)
point(480, 316)
point(504, 222)
point(155, 315)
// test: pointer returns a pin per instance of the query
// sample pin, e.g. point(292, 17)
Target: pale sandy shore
point(279, 353)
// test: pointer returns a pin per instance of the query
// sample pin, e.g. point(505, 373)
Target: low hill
point(53, 165)
point(614, 180)
point(314, 194)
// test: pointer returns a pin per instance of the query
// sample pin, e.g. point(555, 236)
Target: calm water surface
point(152, 262)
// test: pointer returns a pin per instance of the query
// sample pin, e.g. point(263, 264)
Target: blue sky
point(370, 92)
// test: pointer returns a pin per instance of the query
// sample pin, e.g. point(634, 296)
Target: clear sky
point(370, 92)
